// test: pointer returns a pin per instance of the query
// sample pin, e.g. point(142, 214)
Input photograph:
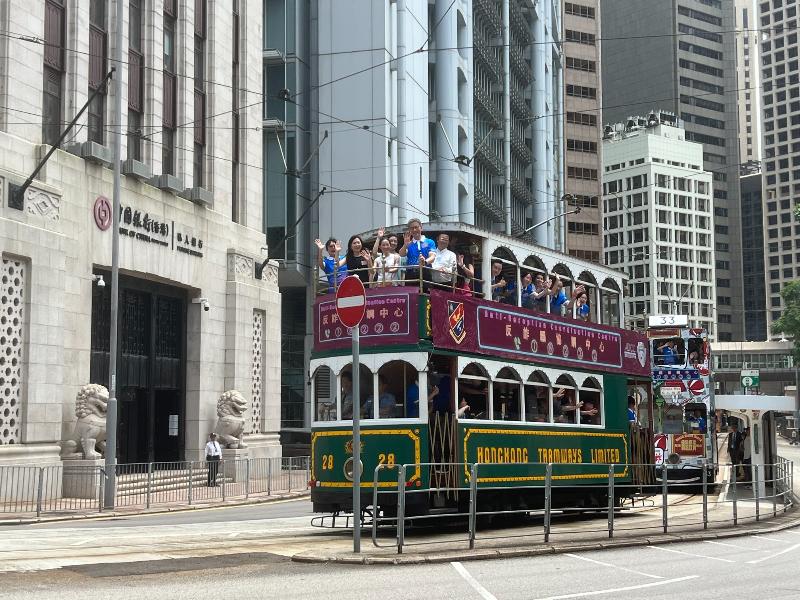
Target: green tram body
point(580, 454)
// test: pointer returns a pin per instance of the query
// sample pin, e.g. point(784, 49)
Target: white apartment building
point(190, 225)
point(438, 110)
point(658, 219)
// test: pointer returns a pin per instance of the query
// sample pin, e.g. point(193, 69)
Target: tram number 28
point(386, 459)
point(327, 462)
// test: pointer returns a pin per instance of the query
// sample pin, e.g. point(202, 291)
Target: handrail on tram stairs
point(781, 484)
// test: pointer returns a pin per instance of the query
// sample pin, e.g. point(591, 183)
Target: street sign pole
point(356, 446)
point(351, 304)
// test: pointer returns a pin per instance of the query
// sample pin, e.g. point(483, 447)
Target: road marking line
point(771, 556)
point(234, 534)
point(597, 562)
point(735, 546)
point(622, 589)
point(80, 543)
point(485, 594)
point(690, 554)
point(769, 539)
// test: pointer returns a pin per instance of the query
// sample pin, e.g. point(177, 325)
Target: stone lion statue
point(230, 422)
point(91, 404)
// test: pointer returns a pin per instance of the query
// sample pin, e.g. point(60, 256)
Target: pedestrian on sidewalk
point(213, 456)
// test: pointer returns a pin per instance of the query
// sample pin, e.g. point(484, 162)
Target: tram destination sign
point(390, 318)
point(470, 325)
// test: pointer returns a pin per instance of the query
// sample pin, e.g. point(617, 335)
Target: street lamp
point(575, 211)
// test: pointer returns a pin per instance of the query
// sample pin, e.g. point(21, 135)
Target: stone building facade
point(190, 226)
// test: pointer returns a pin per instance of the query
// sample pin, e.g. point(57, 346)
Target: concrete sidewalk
point(138, 509)
point(569, 536)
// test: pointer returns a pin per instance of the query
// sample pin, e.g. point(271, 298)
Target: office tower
point(755, 307)
point(748, 79)
point(583, 127)
point(679, 55)
point(781, 148)
point(658, 219)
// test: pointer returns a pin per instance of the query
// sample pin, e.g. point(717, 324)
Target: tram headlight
point(348, 468)
point(673, 459)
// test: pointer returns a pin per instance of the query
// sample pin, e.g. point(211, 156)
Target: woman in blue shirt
point(582, 309)
point(335, 268)
point(557, 296)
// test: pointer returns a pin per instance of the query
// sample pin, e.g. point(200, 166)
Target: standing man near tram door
point(213, 456)
point(735, 449)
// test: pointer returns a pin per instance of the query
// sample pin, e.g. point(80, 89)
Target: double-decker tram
point(684, 418)
point(481, 368)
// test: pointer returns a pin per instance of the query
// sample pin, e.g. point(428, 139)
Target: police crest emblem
point(455, 317)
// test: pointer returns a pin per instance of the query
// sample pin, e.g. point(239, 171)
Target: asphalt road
point(251, 512)
point(742, 568)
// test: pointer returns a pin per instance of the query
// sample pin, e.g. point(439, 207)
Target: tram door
point(442, 427)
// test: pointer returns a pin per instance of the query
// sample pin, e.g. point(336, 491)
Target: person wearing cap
point(213, 456)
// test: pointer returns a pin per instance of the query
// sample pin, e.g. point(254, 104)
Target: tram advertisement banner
point(468, 324)
point(391, 318)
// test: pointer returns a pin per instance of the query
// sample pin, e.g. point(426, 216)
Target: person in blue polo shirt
point(419, 252)
point(335, 268)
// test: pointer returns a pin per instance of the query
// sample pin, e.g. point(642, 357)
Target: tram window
point(695, 349)
point(536, 397)
point(673, 419)
point(669, 351)
point(365, 390)
point(324, 396)
point(590, 399)
point(398, 390)
point(696, 418)
point(564, 405)
point(472, 399)
point(507, 405)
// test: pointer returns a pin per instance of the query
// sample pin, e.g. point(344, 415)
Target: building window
point(200, 8)
point(98, 37)
point(582, 146)
point(52, 102)
point(581, 91)
point(235, 141)
point(581, 173)
point(581, 64)
point(582, 228)
point(579, 10)
point(170, 89)
point(579, 37)
point(580, 118)
point(135, 80)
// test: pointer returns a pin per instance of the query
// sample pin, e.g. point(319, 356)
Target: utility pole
point(110, 491)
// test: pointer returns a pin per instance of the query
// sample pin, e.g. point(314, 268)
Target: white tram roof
point(521, 250)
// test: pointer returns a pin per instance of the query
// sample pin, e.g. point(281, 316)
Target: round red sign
point(697, 387)
point(102, 213)
point(351, 301)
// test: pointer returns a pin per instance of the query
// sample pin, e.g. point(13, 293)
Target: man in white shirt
point(443, 267)
point(213, 456)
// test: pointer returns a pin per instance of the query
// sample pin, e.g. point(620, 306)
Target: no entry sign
point(351, 301)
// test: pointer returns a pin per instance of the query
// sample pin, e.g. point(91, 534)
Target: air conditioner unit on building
point(136, 169)
point(198, 195)
point(168, 183)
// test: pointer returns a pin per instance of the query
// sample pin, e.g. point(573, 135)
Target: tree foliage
point(789, 323)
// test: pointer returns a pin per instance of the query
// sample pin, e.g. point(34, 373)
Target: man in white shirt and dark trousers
point(443, 267)
point(213, 456)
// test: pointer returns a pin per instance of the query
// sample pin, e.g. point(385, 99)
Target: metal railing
point(67, 488)
point(699, 507)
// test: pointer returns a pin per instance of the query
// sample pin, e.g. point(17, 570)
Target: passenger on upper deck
point(582, 309)
point(466, 273)
point(359, 260)
point(443, 267)
point(668, 353)
point(335, 268)
point(387, 263)
point(498, 283)
point(418, 250)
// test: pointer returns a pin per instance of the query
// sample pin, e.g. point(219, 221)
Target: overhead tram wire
point(34, 39)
